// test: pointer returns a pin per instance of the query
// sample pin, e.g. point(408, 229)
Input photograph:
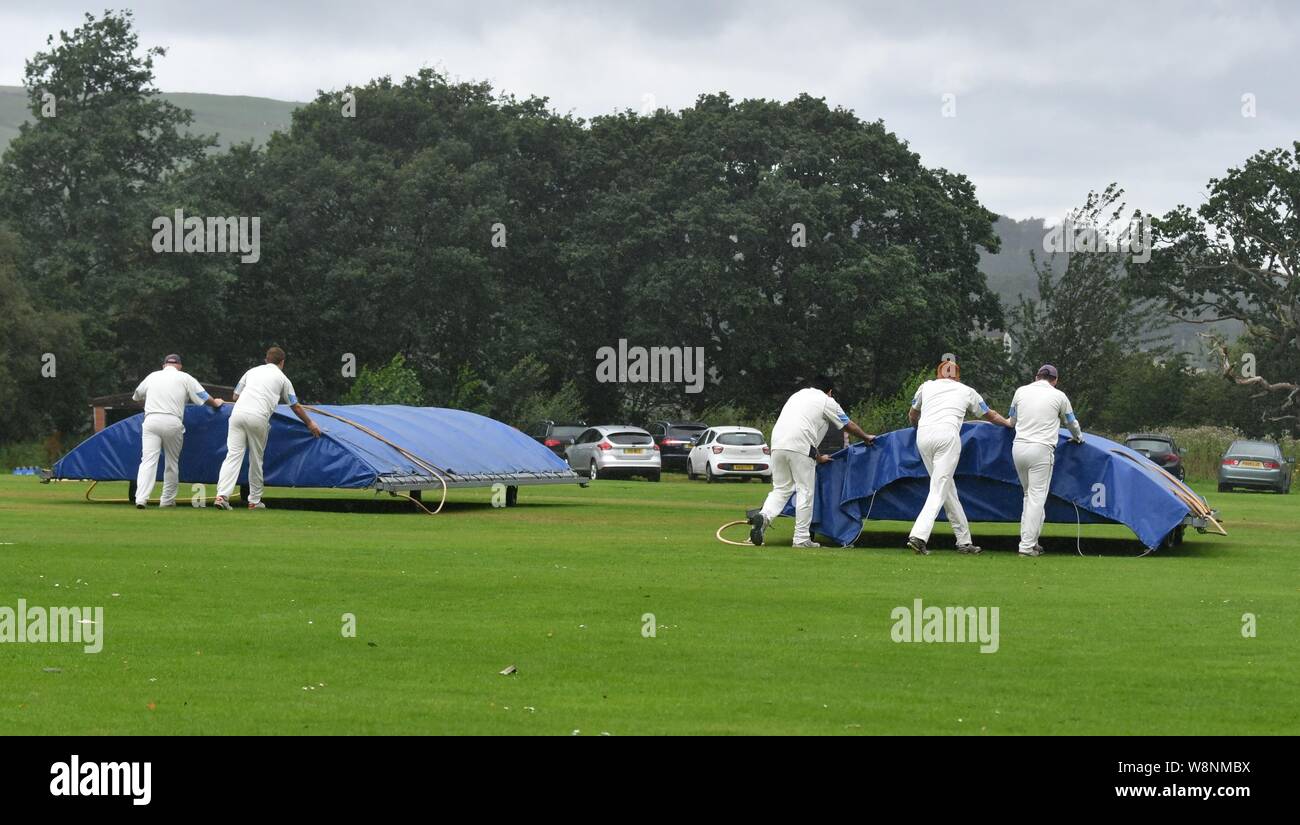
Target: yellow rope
point(729, 541)
point(94, 484)
point(420, 462)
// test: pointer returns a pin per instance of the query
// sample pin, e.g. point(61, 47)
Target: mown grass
point(217, 622)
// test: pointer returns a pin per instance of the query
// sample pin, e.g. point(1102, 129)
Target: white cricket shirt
point(944, 402)
point(261, 389)
point(168, 390)
point(1039, 409)
point(804, 419)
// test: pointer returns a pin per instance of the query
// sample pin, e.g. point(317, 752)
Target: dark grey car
point(1258, 465)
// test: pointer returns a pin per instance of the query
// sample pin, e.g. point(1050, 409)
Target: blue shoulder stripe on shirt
point(1069, 418)
point(293, 399)
point(983, 408)
point(203, 396)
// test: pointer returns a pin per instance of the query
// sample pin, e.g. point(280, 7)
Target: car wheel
point(690, 470)
point(1225, 488)
point(653, 476)
point(592, 472)
point(708, 474)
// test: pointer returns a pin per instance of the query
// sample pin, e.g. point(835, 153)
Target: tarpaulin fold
point(1099, 481)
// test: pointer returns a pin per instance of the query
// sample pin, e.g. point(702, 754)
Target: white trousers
point(160, 433)
point(792, 473)
point(1034, 464)
point(246, 433)
point(940, 449)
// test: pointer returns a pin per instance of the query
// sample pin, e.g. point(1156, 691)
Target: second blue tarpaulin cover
point(1098, 481)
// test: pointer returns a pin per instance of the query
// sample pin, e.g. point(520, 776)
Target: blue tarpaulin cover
point(889, 481)
point(461, 443)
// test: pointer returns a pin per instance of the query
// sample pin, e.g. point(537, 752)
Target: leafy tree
point(33, 402)
point(786, 238)
point(1237, 257)
point(74, 185)
point(885, 413)
point(520, 395)
point(1087, 319)
point(393, 383)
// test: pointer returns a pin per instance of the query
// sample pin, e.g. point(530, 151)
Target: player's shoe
point(970, 549)
point(809, 543)
point(256, 506)
point(1037, 551)
point(221, 504)
point(918, 546)
point(757, 524)
point(139, 506)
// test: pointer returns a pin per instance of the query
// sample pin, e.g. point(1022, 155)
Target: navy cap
point(172, 359)
point(1048, 370)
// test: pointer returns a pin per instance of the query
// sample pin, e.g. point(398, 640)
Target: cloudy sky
point(1051, 100)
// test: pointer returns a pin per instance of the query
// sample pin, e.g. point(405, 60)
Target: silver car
point(1258, 465)
point(614, 450)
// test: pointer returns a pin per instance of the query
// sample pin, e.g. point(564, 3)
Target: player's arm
point(200, 396)
point(996, 418)
point(287, 396)
point(1071, 422)
point(835, 413)
point(914, 412)
point(989, 414)
point(305, 418)
point(1015, 407)
point(852, 428)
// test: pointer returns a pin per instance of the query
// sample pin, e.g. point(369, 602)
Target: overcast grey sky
point(1051, 99)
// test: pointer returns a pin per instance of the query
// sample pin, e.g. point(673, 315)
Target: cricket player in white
point(1037, 411)
point(256, 397)
point(938, 410)
point(798, 430)
point(165, 393)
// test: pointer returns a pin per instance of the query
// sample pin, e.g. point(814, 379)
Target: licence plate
point(742, 467)
point(633, 451)
point(1258, 465)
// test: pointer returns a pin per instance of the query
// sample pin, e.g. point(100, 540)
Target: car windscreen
point(1262, 449)
point(741, 439)
point(1151, 445)
point(684, 432)
point(561, 431)
point(630, 438)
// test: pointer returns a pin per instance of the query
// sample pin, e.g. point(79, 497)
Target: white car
point(730, 452)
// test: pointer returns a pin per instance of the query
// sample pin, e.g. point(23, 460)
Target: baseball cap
point(1048, 370)
point(172, 359)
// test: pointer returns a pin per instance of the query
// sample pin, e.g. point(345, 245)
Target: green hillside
point(233, 118)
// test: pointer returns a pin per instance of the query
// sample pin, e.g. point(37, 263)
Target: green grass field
point(215, 622)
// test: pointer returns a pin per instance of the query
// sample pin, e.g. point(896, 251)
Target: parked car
point(1258, 465)
point(675, 439)
point(730, 452)
point(614, 450)
point(557, 434)
point(1160, 448)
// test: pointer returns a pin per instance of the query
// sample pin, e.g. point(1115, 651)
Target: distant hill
point(1010, 276)
point(233, 119)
